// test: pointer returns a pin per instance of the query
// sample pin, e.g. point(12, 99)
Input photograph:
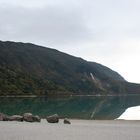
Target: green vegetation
point(28, 69)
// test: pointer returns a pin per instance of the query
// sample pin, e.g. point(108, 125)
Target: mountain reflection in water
point(73, 107)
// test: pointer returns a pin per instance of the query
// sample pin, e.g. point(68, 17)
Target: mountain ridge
point(26, 68)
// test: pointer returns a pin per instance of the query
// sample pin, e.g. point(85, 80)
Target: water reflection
point(72, 107)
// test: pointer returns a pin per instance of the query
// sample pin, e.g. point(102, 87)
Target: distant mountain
point(28, 69)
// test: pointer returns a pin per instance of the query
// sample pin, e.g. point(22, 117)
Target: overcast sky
point(104, 31)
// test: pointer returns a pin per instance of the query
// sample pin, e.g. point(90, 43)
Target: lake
point(84, 107)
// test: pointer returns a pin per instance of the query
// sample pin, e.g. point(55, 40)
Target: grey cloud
point(68, 22)
point(57, 25)
point(100, 30)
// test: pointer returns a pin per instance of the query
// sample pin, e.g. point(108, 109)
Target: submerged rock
point(66, 121)
point(53, 119)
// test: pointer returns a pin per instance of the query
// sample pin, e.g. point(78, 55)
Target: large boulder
point(16, 118)
point(28, 117)
point(53, 119)
point(66, 121)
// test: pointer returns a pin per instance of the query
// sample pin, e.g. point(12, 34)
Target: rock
point(36, 119)
point(28, 117)
point(53, 119)
point(6, 118)
point(3, 117)
point(66, 121)
point(15, 118)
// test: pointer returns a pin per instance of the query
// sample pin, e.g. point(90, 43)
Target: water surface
point(99, 107)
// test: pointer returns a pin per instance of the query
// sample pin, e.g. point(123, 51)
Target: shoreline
point(65, 96)
point(77, 130)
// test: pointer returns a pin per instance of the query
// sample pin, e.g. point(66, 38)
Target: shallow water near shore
point(85, 107)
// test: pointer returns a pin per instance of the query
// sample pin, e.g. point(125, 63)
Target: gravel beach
point(78, 130)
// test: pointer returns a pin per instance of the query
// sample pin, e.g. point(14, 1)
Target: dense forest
point(28, 69)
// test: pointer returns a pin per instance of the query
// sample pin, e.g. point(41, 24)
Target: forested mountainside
point(28, 69)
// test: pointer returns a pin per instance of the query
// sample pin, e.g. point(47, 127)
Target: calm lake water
point(73, 107)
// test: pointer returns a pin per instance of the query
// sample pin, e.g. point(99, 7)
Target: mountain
point(28, 69)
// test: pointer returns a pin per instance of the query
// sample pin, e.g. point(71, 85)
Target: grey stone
point(16, 118)
point(53, 119)
point(36, 118)
point(66, 121)
point(28, 117)
point(3, 117)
